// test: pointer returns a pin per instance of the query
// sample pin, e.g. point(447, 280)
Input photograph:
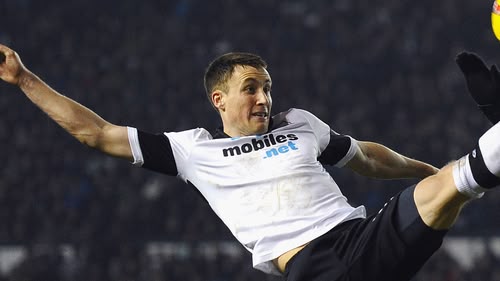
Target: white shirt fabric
point(270, 190)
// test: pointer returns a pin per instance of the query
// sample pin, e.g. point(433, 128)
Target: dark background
point(382, 71)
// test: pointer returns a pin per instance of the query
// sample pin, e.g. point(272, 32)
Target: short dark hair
point(220, 70)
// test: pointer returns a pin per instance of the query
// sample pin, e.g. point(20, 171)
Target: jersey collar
point(219, 132)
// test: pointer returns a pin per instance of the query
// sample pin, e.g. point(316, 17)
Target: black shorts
point(378, 248)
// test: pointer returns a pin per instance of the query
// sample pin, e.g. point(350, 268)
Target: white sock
point(464, 180)
point(479, 171)
point(489, 143)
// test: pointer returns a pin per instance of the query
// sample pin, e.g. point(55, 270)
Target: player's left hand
point(483, 84)
point(11, 67)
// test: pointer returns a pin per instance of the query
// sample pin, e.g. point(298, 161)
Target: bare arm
point(375, 160)
point(82, 123)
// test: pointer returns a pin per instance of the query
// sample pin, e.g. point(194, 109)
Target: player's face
point(247, 104)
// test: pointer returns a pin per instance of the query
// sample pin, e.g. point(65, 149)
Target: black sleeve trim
point(337, 148)
point(157, 153)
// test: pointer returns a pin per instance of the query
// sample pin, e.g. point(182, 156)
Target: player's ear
point(218, 100)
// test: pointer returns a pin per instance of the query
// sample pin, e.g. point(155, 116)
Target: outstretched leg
point(438, 201)
point(440, 198)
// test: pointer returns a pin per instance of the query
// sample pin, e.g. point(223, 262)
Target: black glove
point(483, 84)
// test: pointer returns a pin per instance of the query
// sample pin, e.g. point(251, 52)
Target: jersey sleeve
point(320, 129)
point(152, 151)
point(340, 149)
point(335, 149)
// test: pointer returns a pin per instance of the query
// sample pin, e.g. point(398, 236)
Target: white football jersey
point(270, 190)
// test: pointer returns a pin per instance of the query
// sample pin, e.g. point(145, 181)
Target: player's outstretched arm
point(378, 161)
point(82, 123)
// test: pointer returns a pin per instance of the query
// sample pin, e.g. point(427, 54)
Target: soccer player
point(264, 175)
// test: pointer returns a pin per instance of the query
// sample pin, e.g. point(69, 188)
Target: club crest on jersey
point(277, 145)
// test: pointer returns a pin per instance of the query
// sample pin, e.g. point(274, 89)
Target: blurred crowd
point(381, 71)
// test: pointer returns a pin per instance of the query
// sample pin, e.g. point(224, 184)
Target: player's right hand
point(12, 67)
point(483, 84)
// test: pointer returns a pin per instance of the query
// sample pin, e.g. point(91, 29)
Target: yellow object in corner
point(495, 19)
